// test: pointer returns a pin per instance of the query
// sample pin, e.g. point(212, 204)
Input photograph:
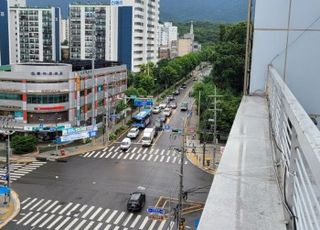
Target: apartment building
point(64, 30)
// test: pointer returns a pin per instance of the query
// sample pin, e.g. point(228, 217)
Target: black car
point(136, 201)
point(184, 85)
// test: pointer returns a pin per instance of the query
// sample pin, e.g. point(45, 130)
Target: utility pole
point(199, 105)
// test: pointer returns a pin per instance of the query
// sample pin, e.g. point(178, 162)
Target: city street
point(91, 191)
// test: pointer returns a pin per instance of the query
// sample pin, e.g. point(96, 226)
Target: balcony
point(268, 177)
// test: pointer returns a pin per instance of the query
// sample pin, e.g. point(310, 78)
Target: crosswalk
point(138, 154)
point(19, 170)
point(52, 214)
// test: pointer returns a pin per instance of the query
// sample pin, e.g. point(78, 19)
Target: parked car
point(125, 144)
point(173, 105)
point(136, 201)
point(170, 98)
point(163, 105)
point(163, 117)
point(133, 133)
point(156, 109)
point(177, 92)
point(167, 112)
point(184, 85)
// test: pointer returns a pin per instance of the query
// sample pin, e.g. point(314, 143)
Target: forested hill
point(178, 10)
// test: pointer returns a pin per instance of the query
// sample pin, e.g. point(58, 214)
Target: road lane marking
point(89, 225)
point(108, 155)
point(54, 210)
point(39, 219)
point(80, 225)
point(162, 152)
point(71, 224)
point(103, 214)
point(111, 148)
point(119, 218)
point(65, 208)
point(54, 222)
point(46, 221)
point(144, 223)
point(117, 148)
point(151, 150)
point(30, 203)
point(154, 143)
point(132, 155)
point(105, 149)
point(97, 154)
point(25, 217)
point(98, 226)
point(95, 213)
point(150, 156)
point(145, 151)
point(144, 156)
point(103, 153)
point(111, 216)
point(74, 208)
point(162, 157)
point(153, 223)
point(116, 228)
point(139, 150)
point(36, 204)
point(186, 162)
point(168, 159)
point(87, 212)
point(163, 222)
point(125, 157)
point(81, 209)
point(63, 223)
point(120, 155)
point(168, 152)
point(29, 220)
point(134, 149)
point(155, 158)
point(157, 150)
point(174, 159)
point(114, 155)
point(25, 200)
point(135, 221)
point(127, 220)
point(179, 162)
point(107, 227)
point(91, 153)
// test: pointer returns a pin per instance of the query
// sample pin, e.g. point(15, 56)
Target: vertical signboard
point(78, 89)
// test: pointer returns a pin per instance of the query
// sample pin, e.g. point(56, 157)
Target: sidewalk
point(195, 153)
point(9, 211)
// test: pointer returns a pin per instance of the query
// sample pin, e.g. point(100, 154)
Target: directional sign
point(155, 211)
point(167, 127)
point(143, 102)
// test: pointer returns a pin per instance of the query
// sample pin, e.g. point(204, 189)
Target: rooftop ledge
point(244, 193)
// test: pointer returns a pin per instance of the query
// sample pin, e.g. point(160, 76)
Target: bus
point(142, 119)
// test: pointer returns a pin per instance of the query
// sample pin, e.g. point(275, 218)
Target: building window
point(48, 99)
point(10, 96)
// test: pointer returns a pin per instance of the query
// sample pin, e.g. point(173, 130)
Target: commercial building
point(45, 94)
point(124, 31)
point(187, 44)
point(30, 34)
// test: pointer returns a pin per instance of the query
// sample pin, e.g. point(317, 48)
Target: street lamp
point(57, 119)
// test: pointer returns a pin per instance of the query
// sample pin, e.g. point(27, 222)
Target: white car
point(167, 112)
point(163, 105)
point(156, 109)
point(133, 133)
point(125, 144)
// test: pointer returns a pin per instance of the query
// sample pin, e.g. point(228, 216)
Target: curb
point(190, 158)
point(16, 205)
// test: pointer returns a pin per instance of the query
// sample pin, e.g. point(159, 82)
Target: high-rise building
point(30, 34)
point(124, 31)
point(167, 33)
point(64, 30)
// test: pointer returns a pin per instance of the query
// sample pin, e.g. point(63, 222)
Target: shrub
point(23, 144)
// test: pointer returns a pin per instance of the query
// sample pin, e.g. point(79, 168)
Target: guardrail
point(297, 142)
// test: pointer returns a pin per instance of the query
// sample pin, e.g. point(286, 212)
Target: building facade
point(64, 33)
point(64, 93)
point(167, 33)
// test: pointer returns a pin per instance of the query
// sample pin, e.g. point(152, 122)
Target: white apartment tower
point(167, 33)
point(64, 30)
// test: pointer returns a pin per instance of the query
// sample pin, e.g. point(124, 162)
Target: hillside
point(178, 10)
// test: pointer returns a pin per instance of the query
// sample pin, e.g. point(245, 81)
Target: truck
point(148, 136)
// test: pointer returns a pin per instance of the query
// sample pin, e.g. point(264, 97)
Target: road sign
point(155, 211)
point(143, 102)
point(167, 127)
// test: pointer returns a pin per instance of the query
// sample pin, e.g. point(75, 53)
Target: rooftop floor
point(244, 193)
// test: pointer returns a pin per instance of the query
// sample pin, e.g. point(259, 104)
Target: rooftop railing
point(297, 144)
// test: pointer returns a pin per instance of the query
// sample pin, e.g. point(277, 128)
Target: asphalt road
point(91, 191)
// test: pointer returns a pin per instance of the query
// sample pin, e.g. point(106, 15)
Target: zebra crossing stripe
point(29, 220)
point(134, 149)
point(81, 209)
point(127, 220)
point(91, 153)
point(108, 155)
point(162, 152)
point(145, 151)
point(111, 216)
point(174, 159)
point(36, 204)
point(86, 154)
point(114, 155)
point(54, 222)
point(156, 152)
point(150, 157)
point(89, 225)
point(116, 148)
point(179, 162)
point(156, 158)
point(151, 150)
point(103, 153)
point(116, 228)
point(71, 224)
point(135, 221)
point(74, 208)
point(132, 155)
point(98, 226)
point(153, 223)
point(62, 223)
point(119, 218)
point(162, 157)
point(168, 152)
point(186, 162)
point(87, 212)
point(144, 223)
point(144, 156)
point(168, 159)
point(65, 208)
point(97, 154)
point(120, 155)
point(108, 227)
point(34, 200)
point(103, 214)
point(105, 149)
point(54, 210)
point(137, 158)
point(125, 157)
point(111, 148)
point(139, 150)
point(25, 217)
point(38, 220)
point(25, 200)
point(95, 213)
point(80, 225)
point(163, 222)
point(46, 221)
